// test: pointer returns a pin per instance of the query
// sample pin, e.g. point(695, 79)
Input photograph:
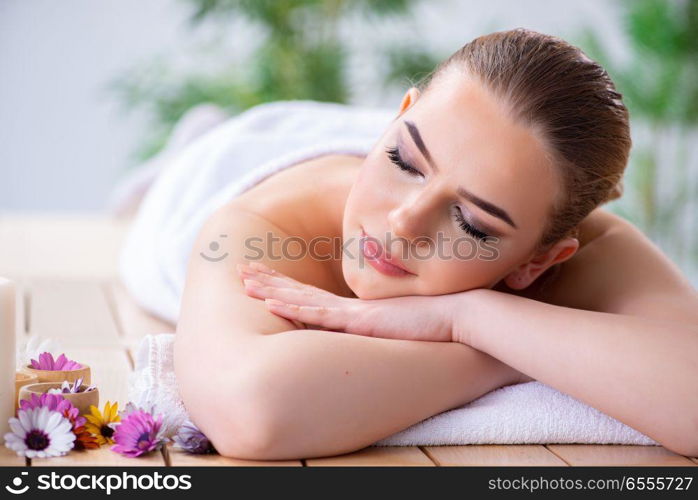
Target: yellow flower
point(98, 423)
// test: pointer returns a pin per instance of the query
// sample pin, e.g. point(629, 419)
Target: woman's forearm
point(319, 393)
point(640, 371)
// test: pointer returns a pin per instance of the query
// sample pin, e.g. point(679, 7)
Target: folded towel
point(529, 413)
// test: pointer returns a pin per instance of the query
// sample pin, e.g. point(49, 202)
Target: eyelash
point(395, 157)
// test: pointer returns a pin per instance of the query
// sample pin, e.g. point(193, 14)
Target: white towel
point(529, 413)
point(222, 163)
point(235, 156)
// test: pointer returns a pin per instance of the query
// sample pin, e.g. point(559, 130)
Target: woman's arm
point(631, 350)
point(261, 389)
point(313, 393)
point(641, 371)
point(634, 358)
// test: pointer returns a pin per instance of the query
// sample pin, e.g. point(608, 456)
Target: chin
point(366, 293)
point(370, 290)
point(359, 286)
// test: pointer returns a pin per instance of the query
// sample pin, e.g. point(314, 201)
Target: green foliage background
point(659, 83)
point(301, 56)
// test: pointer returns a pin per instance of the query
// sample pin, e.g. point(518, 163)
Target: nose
point(412, 218)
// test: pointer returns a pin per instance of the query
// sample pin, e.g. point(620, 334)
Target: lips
point(380, 259)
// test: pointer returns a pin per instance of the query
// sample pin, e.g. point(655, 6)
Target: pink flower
point(46, 362)
point(137, 433)
point(54, 402)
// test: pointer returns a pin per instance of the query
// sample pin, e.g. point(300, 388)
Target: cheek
point(466, 270)
point(451, 276)
point(367, 191)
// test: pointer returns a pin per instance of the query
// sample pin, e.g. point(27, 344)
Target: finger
point(266, 274)
point(277, 279)
point(298, 296)
point(268, 279)
point(253, 269)
point(298, 324)
point(262, 268)
point(281, 281)
point(324, 316)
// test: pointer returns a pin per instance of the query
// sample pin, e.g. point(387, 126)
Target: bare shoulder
point(214, 300)
point(620, 270)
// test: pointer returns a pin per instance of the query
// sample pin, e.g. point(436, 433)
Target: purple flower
point(67, 388)
point(46, 362)
point(191, 439)
point(54, 402)
point(137, 433)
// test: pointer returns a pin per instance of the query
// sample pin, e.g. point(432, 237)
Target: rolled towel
point(528, 413)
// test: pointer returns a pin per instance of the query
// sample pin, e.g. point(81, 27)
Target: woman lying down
point(467, 251)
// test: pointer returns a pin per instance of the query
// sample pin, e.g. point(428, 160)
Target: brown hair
point(555, 88)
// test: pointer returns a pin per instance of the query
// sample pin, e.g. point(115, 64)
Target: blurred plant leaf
point(301, 57)
point(659, 84)
point(407, 65)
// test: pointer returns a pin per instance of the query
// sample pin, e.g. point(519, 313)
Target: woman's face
point(466, 167)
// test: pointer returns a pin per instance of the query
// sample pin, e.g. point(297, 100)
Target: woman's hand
point(413, 317)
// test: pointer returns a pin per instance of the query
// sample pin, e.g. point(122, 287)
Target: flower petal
point(95, 413)
point(24, 417)
point(46, 361)
point(60, 362)
point(16, 427)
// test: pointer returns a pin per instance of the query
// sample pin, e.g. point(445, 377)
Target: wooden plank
point(132, 321)
point(617, 455)
point(9, 458)
point(102, 456)
point(74, 312)
point(493, 455)
point(178, 457)
point(60, 246)
point(373, 456)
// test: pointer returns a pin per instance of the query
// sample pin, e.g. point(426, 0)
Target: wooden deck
point(66, 269)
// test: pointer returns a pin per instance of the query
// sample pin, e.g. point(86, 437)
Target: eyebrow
point(488, 207)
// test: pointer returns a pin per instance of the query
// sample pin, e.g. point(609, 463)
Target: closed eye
point(468, 228)
point(395, 157)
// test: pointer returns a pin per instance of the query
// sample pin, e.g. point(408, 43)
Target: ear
point(409, 99)
point(526, 273)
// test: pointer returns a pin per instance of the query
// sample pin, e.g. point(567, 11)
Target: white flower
point(40, 432)
point(32, 346)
